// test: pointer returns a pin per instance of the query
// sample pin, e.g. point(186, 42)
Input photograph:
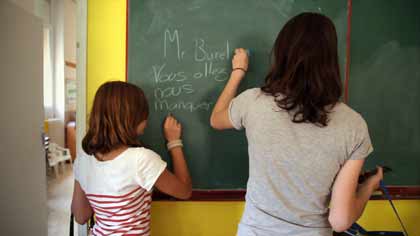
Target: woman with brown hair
point(306, 148)
point(115, 174)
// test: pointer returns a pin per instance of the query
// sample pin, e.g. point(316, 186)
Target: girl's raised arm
point(219, 117)
point(177, 184)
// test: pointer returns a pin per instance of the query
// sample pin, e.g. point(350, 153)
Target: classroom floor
point(60, 190)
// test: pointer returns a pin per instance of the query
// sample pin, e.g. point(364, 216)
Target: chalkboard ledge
point(400, 193)
point(396, 192)
point(206, 195)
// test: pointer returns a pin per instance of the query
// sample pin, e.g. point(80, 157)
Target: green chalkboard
point(385, 83)
point(180, 53)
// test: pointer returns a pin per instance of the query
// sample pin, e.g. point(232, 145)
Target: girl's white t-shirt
point(119, 190)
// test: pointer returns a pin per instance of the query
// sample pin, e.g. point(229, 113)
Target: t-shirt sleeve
point(239, 106)
point(78, 172)
point(362, 145)
point(76, 169)
point(149, 167)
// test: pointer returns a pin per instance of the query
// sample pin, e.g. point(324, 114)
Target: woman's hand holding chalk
point(240, 60)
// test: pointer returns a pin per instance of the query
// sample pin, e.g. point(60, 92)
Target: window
point(48, 78)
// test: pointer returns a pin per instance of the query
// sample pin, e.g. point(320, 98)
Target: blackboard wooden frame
point(396, 192)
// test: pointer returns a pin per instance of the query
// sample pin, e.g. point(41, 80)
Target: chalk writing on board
point(161, 77)
point(218, 74)
point(173, 91)
point(201, 53)
point(207, 70)
point(171, 86)
point(174, 37)
point(164, 105)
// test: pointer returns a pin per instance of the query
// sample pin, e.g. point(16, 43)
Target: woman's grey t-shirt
point(292, 166)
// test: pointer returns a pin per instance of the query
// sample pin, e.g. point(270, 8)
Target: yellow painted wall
point(105, 44)
point(221, 218)
point(106, 61)
point(379, 215)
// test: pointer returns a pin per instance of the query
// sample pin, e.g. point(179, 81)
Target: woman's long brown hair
point(305, 75)
point(117, 110)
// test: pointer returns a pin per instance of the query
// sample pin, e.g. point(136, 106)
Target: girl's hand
point(240, 60)
point(375, 179)
point(172, 129)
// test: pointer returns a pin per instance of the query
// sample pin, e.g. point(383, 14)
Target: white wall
point(22, 174)
point(34, 7)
